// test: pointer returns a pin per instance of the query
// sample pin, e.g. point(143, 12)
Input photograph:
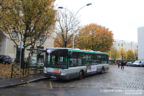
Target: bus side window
point(99, 59)
point(79, 62)
point(80, 55)
point(53, 59)
point(62, 60)
point(86, 59)
point(94, 59)
point(73, 62)
point(104, 59)
point(83, 59)
point(74, 59)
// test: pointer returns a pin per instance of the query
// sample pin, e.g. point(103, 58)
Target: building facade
point(7, 47)
point(141, 43)
point(126, 45)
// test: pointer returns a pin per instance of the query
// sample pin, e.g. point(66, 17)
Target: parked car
point(5, 59)
point(129, 63)
point(138, 63)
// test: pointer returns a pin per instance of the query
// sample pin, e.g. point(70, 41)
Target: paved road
point(116, 82)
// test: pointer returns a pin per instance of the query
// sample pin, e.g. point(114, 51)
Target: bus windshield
point(56, 58)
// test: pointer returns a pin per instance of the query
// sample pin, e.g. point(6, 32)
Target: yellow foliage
point(114, 54)
point(30, 20)
point(95, 37)
point(123, 54)
point(130, 55)
point(60, 42)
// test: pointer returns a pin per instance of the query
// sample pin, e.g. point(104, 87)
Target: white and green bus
point(66, 63)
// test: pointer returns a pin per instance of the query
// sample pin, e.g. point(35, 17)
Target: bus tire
point(102, 70)
point(81, 75)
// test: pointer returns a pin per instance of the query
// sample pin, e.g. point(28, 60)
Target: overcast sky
point(122, 17)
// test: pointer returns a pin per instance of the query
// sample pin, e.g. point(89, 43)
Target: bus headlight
point(63, 73)
point(45, 70)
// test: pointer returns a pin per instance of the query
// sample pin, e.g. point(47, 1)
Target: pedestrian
point(122, 65)
point(118, 63)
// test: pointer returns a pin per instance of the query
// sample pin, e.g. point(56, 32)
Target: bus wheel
point(103, 70)
point(81, 75)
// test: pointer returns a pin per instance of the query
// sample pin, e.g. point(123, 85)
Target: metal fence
point(12, 71)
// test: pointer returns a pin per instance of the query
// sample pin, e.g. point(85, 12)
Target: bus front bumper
point(57, 76)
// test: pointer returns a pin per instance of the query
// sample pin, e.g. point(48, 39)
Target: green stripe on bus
point(84, 51)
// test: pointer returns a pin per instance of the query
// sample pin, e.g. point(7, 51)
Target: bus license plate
point(53, 77)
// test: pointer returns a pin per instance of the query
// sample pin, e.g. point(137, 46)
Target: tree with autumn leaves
point(91, 37)
point(127, 55)
point(122, 54)
point(94, 37)
point(114, 54)
point(130, 55)
point(27, 20)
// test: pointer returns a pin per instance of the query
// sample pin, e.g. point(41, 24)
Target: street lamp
point(60, 7)
point(88, 4)
point(91, 32)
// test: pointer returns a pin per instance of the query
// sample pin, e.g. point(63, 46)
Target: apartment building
point(127, 45)
point(141, 43)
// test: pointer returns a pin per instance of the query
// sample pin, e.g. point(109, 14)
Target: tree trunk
point(65, 44)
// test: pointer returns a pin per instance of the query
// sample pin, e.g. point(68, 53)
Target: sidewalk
point(20, 81)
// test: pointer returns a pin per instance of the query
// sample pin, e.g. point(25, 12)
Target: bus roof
point(87, 51)
point(83, 51)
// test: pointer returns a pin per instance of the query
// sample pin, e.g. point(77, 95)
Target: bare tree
point(66, 27)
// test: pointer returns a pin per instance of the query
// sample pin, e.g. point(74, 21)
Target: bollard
point(12, 70)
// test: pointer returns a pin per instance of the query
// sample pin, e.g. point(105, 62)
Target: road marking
point(50, 84)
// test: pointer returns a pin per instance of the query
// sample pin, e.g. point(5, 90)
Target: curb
point(8, 85)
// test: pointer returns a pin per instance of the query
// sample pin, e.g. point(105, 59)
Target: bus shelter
point(36, 59)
